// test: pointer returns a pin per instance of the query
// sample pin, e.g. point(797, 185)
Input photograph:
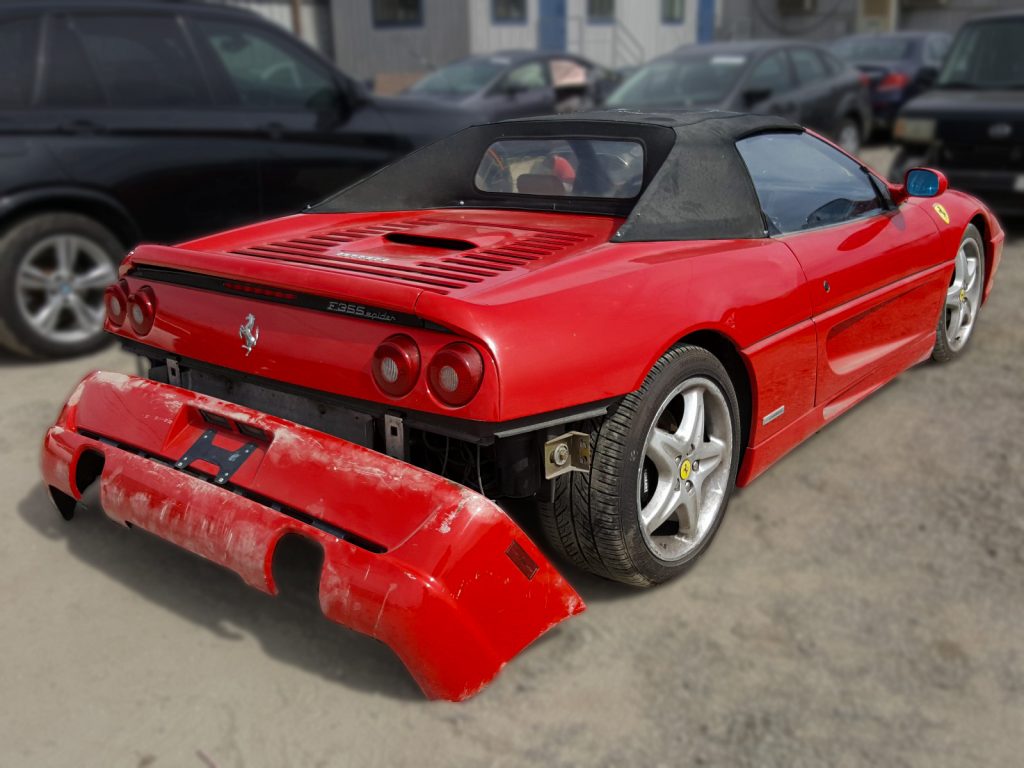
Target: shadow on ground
point(289, 627)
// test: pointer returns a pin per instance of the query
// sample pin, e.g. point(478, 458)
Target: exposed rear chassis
point(437, 572)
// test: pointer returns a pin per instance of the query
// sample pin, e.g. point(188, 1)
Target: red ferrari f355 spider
point(621, 315)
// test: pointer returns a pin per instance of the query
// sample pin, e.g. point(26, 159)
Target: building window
point(508, 11)
point(600, 11)
point(673, 11)
point(397, 13)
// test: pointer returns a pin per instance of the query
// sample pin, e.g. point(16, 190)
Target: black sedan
point(517, 84)
point(799, 81)
point(160, 121)
point(898, 66)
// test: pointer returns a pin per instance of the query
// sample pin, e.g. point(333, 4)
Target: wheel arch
point(850, 108)
point(727, 352)
point(68, 199)
point(980, 221)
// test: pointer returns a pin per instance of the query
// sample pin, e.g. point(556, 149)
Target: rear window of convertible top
point(601, 168)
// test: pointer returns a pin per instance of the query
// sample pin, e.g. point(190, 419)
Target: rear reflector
point(894, 81)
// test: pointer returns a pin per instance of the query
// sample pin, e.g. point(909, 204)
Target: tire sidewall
point(15, 244)
point(694, 362)
point(849, 122)
point(942, 352)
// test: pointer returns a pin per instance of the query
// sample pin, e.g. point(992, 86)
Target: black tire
point(17, 244)
point(902, 163)
point(947, 345)
point(850, 135)
point(593, 518)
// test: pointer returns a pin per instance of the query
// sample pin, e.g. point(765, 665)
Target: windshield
point(461, 78)
point(986, 56)
point(874, 49)
point(683, 82)
point(562, 168)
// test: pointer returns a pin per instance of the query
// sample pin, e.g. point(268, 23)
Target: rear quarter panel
point(592, 326)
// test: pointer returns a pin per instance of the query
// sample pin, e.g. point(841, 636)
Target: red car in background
point(620, 315)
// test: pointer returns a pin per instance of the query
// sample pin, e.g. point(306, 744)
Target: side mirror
point(754, 96)
point(924, 182)
point(332, 108)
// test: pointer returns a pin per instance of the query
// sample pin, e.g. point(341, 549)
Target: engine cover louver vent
point(446, 271)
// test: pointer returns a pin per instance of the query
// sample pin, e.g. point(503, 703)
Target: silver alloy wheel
point(685, 471)
point(59, 287)
point(849, 138)
point(963, 298)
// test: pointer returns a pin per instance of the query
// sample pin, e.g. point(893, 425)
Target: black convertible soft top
point(696, 186)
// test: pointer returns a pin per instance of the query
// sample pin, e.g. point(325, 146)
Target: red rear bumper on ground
point(435, 571)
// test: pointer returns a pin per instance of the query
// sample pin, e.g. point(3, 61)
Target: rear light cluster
point(138, 309)
point(454, 373)
point(894, 81)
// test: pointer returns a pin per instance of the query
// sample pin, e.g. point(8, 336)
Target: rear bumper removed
point(437, 572)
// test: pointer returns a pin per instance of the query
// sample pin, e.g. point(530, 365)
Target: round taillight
point(142, 310)
point(396, 365)
point(116, 301)
point(455, 373)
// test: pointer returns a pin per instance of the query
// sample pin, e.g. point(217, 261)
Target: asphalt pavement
point(863, 605)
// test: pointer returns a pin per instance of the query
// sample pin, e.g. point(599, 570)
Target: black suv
point(122, 121)
point(971, 126)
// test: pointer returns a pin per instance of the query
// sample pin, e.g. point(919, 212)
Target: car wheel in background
point(54, 268)
point(848, 137)
point(663, 467)
point(963, 298)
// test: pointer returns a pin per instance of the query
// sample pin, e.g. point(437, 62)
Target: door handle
point(81, 126)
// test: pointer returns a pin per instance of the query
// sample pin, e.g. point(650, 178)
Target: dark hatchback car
point(898, 66)
point(799, 81)
point(971, 125)
point(512, 84)
point(122, 121)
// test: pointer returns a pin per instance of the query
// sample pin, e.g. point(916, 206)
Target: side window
point(808, 66)
point(123, 61)
point(17, 62)
point(263, 72)
point(397, 13)
point(528, 77)
point(69, 80)
point(770, 75)
point(935, 50)
point(832, 64)
point(803, 183)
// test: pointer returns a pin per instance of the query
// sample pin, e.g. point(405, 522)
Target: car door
point(815, 95)
point(768, 87)
point(309, 136)
point(124, 109)
point(525, 91)
point(875, 272)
